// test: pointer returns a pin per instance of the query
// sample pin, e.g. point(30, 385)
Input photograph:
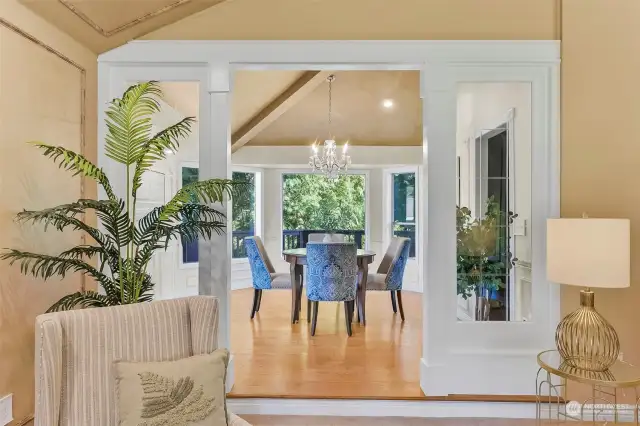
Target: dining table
point(297, 258)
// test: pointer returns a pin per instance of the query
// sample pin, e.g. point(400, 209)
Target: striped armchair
point(76, 350)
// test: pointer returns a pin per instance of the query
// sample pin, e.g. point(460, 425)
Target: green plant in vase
point(118, 255)
point(479, 270)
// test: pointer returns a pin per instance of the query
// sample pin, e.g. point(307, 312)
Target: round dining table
point(297, 258)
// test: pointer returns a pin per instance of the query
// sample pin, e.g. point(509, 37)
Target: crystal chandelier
point(328, 162)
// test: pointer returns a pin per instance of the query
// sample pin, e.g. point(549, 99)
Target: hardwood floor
point(276, 359)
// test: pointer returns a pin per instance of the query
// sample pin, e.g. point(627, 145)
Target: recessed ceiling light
point(387, 103)
point(168, 151)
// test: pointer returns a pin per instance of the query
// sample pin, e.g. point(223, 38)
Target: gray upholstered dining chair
point(390, 273)
point(333, 238)
point(263, 273)
point(332, 272)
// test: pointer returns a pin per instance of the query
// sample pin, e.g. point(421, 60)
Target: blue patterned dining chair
point(389, 275)
point(264, 275)
point(332, 271)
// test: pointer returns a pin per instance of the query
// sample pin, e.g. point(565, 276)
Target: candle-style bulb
point(344, 148)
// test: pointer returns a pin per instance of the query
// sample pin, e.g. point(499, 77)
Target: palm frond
point(46, 266)
point(204, 191)
point(190, 231)
point(117, 223)
point(78, 164)
point(155, 149)
point(129, 122)
point(82, 252)
point(81, 299)
point(61, 221)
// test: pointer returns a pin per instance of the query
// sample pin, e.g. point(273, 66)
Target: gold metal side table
point(607, 387)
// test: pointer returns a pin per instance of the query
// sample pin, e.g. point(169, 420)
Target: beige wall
point(601, 138)
point(600, 107)
point(369, 19)
point(40, 99)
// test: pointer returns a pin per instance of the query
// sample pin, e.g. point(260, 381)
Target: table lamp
point(588, 253)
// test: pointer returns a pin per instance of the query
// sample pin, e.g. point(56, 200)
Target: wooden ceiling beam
point(300, 88)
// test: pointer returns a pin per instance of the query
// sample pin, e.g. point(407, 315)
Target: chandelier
point(328, 162)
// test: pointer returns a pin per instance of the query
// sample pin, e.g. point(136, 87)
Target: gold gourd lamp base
point(586, 340)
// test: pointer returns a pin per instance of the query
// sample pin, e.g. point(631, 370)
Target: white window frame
point(259, 203)
point(354, 171)
point(387, 201)
point(259, 207)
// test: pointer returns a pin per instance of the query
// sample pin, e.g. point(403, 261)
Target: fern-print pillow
point(186, 392)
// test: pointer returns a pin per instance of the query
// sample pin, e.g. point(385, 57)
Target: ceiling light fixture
point(168, 151)
point(387, 103)
point(329, 163)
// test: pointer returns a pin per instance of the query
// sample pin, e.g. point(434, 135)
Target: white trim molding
point(500, 357)
point(381, 408)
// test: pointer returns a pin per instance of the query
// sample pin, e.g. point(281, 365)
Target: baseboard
point(517, 374)
point(377, 408)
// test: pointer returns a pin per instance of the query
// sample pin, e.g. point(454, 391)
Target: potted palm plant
point(119, 253)
point(479, 270)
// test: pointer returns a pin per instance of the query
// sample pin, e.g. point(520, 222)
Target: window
point(314, 204)
point(243, 220)
point(404, 207)
point(189, 249)
point(244, 214)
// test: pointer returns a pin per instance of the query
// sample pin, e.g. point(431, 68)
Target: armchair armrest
point(48, 368)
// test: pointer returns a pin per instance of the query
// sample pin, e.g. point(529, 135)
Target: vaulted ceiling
point(291, 107)
point(268, 107)
point(102, 25)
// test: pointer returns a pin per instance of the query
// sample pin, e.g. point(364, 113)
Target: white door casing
point(499, 356)
point(458, 357)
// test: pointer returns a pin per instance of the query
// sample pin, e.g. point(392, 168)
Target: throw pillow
point(186, 392)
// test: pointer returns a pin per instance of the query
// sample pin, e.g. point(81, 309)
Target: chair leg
point(259, 300)
point(314, 320)
point(393, 302)
point(356, 307)
point(347, 315)
point(400, 304)
point(308, 310)
point(254, 307)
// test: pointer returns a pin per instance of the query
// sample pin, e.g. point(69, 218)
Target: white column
point(215, 162)
point(438, 214)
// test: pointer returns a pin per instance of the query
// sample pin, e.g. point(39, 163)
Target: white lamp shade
point(589, 252)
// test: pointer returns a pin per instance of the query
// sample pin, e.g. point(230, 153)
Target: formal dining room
point(326, 296)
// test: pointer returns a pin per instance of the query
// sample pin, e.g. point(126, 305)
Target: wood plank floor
point(390, 421)
point(276, 359)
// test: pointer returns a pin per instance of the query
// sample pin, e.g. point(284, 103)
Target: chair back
point(261, 267)
point(394, 262)
point(76, 350)
point(332, 271)
point(321, 238)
